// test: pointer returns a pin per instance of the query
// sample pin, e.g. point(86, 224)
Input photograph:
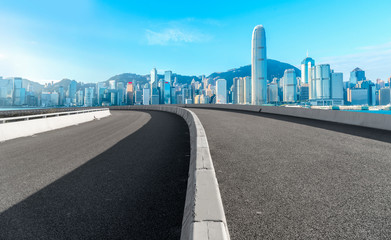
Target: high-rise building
point(358, 96)
point(259, 66)
point(337, 88)
point(306, 66)
point(167, 76)
point(19, 93)
point(130, 93)
point(384, 96)
point(272, 93)
point(72, 91)
point(146, 94)
point(88, 96)
point(247, 90)
point(221, 91)
point(304, 92)
point(323, 83)
point(240, 92)
point(112, 84)
point(289, 86)
point(54, 99)
point(154, 78)
point(167, 93)
point(121, 98)
point(61, 96)
point(80, 98)
point(356, 75)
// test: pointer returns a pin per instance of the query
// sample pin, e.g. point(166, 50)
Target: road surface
point(122, 177)
point(289, 178)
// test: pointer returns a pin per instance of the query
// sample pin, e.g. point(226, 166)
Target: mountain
point(275, 69)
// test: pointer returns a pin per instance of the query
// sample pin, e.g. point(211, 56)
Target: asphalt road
point(122, 177)
point(291, 178)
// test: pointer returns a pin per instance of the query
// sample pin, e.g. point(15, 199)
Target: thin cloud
point(375, 60)
point(173, 36)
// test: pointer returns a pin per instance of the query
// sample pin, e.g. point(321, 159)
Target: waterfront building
point(273, 93)
point(88, 96)
point(80, 98)
point(130, 93)
point(221, 91)
point(167, 93)
point(289, 86)
point(240, 91)
point(146, 94)
point(385, 96)
point(304, 92)
point(247, 90)
point(337, 88)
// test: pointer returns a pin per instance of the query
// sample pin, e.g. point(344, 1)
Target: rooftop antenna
point(307, 52)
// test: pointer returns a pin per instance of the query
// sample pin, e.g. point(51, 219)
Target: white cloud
point(174, 36)
point(375, 60)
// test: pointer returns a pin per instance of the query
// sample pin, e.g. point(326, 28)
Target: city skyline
point(94, 40)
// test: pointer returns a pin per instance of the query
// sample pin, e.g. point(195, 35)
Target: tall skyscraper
point(19, 93)
point(306, 66)
point(146, 94)
point(72, 91)
point(167, 76)
point(130, 93)
point(240, 90)
point(88, 96)
point(259, 66)
point(289, 86)
point(322, 81)
point(221, 91)
point(154, 78)
point(337, 88)
point(247, 90)
point(167, 93)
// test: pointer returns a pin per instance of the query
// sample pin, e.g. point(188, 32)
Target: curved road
point(122, 177)
point(289, 178)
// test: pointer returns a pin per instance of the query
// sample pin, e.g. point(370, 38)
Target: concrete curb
point(29, 127)
point(203, 216)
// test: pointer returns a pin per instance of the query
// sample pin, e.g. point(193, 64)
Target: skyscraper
point(289, 87)
point(259, 66)
point(88, 96)
point(357, 75)
point(72, 91)
point(240, 91)
point(146, 94)
point(130, 93)
point(221, 91)
point(167, 93)
point(337, 88)
point(247, 89)
point(167, 76)
point(306, 66)
point(154, 78)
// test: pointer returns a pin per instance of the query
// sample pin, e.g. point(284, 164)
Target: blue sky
point(91, 40)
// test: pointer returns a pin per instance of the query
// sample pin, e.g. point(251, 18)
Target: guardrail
point(38, 116)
